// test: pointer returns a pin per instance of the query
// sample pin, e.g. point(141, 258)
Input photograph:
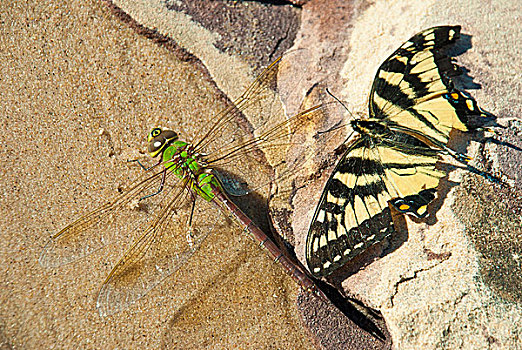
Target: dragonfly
point(188, 190)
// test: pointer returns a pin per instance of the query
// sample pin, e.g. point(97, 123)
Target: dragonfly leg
point(160, 187)
point(143, 166)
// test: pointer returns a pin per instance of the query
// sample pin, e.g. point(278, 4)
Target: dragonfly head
point(160, 139)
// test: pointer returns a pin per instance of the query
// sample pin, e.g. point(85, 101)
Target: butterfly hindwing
point(353, 213)
point(411, 173)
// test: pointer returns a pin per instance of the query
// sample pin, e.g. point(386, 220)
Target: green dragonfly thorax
point(178, 157)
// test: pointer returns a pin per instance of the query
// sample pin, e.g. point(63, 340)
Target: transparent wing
point(255, 134)
point(87, 234)
point(174, 236)
point(240, 161)
point(231, 147)
point(165, 239)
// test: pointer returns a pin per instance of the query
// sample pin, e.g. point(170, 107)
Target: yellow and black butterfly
point(413, 108)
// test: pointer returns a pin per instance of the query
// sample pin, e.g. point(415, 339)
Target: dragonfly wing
point(162, 249)
point(255, 135)
point(85, 235)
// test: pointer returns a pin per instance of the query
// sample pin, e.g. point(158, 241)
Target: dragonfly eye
point(154, 133)
point(158, 139)
point(170, 135)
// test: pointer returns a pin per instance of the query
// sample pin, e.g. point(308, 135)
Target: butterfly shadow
point(461, 46)
point(461, 77)
point(459, 142)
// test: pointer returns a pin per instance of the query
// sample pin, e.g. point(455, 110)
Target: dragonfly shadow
point(236, 289)
point(184, 326)
point(252, 202)
point(255, 206)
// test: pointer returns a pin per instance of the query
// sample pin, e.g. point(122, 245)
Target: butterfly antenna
point(340, 102)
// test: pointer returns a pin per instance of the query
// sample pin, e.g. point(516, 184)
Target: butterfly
point(413, 107)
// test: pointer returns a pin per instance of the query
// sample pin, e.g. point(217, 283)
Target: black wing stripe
point(354, 212)
point(395, 99)
point(412, 82)
point(350, 210)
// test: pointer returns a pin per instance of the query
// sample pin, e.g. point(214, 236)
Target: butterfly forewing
point(410, 86)
point(353, 213)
